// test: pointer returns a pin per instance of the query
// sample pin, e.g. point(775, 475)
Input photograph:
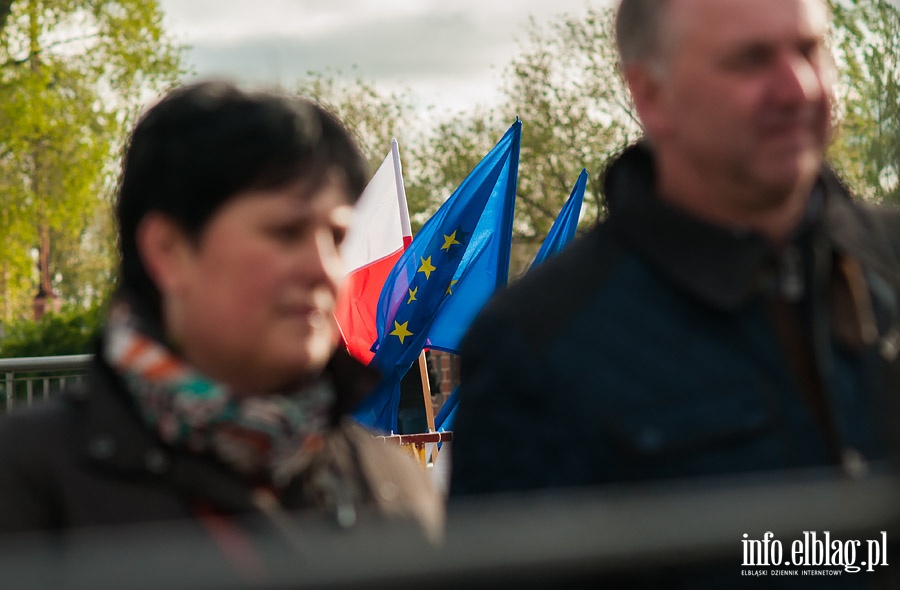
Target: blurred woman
point(217, 389)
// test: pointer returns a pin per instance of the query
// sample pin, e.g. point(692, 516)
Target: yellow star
point(450, 288)
point(449, 241)
point(412, 295)
point(400, 331)
point(426, 267)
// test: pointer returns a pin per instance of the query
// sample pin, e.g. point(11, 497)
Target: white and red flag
point(377, 238)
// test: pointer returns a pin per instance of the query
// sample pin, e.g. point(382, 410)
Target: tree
point(867, 146)
point(72, 75)
point(576, 113)
point(374, 117)
point(446, 157)
point(88, 258)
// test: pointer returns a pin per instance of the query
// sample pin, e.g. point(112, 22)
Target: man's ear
point(164, 249)
point(645, 84)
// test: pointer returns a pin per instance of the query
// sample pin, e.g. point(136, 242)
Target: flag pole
point(426, 395)
point(407, 231)
point(426, 391)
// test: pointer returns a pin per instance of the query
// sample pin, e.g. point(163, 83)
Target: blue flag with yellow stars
point(566, 223)
point(432, 269)
point(484, 267)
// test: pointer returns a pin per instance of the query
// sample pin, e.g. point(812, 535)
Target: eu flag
point(484, 267)
point(566, 223)
point(561, 233)
point(433, 269)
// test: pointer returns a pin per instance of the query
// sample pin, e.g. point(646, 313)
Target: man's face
point(744, 92)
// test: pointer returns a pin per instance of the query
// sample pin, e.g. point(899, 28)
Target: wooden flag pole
point(426, 392)
point(429, 409)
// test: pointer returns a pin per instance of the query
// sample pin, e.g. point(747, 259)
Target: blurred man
point(737, 309)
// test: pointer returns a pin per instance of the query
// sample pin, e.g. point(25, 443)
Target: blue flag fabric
point(423, 279)
point(561, 233)
point(484, 267)
point(443, 422)
point(566, 223)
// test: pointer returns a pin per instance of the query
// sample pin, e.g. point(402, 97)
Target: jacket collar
point(863, 233)
point(723, 266)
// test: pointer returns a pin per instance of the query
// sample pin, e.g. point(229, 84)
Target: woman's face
point(253, 300)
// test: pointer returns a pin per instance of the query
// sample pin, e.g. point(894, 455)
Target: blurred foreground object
point(624, 537)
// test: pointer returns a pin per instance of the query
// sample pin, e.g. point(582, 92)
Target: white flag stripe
point(377, 229)
point(401, 190)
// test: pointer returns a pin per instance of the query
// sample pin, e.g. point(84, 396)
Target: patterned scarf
point(272, 436)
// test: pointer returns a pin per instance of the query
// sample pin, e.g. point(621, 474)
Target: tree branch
point(70, 39)
point(24, 60)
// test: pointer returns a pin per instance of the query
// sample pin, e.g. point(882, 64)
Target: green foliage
point(72, 76)
point(867, 145)
point(374, 118)
point(89, 260)
point(575, 111)
point(451, 152)
point(70, 331)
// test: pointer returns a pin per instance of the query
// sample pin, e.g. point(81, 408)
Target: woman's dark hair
point(204, 143)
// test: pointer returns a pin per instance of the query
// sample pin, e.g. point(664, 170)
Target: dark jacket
point(661, 346)
point(85, 459)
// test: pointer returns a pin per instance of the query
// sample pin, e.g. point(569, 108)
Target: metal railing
point(25, 380)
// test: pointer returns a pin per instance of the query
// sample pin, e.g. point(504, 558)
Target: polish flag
point(378, 236)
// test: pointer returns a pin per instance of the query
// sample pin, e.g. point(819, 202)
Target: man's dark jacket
point(661, 346)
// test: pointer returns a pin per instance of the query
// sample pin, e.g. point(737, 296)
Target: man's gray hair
point(639, 30)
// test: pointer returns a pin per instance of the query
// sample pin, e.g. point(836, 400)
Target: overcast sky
point(449, 53)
